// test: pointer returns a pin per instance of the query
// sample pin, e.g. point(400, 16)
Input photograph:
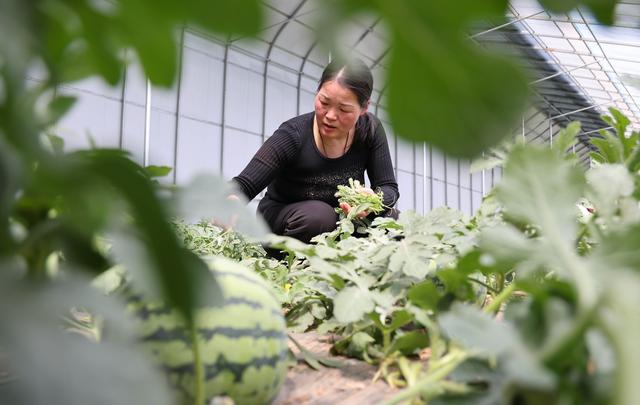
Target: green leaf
point(351, 304)
point(157, 171)
point(477, 331)
point(608, 183)
point(433, 84)
point(603, 10)
point(57, 108)
point(485, 163)
point(55, 144)
point(621, 122)
point(314, 360)
point(492, 382)
point(179, 271)
point(610, 149)
point(242, 17)
point(622, 326)
point(506, 248)
point(424, 295)
point(617, 251)
point(541, 189)
point(354, 346)
point(410, 258)
point(566, 138)
point(33, 336)
point(409, 343)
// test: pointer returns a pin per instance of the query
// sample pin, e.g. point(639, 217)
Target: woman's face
point(337, 110)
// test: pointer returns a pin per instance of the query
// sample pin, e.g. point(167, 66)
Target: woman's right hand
point(345, 207)
point(232, 221)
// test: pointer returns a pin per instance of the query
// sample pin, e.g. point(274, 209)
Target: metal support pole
point(424, 178)
point(147, 124)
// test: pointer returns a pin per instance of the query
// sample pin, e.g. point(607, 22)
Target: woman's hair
point(352, 74)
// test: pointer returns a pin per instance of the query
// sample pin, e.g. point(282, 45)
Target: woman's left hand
point(346, 208)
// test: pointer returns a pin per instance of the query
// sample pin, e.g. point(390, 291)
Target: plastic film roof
point(578, 67)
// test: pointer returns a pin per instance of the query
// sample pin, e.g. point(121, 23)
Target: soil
point(350, 384)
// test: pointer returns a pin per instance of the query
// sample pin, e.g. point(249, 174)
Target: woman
point(310, 155)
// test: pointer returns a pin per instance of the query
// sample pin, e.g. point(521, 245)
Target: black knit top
point(293, 168)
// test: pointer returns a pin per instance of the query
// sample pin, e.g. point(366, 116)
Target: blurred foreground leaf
point(53, 367)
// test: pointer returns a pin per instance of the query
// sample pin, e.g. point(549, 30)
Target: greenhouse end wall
point(225, 103)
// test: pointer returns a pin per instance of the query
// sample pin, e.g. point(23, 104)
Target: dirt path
point(350, 384)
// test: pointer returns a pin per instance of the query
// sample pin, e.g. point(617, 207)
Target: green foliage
point(359, 199)
point(206, 239)
point(38, 348)
point(617, 147)
point(603, 10)
point(53, 205)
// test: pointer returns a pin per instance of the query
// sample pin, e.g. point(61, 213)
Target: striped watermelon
point(242, 342)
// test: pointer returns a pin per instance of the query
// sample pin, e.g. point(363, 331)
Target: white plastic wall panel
point(203, 45)
point(465, 201)
point(465, 176)
point(391, 139)
point(135, 88)
point(295, 38)
point(307, 100)
point(280, 104)
point(254, 47)
point(427, 196)
point(438, 193)
point(309, 85)
point(316, 61)
point(476, 200)
point(497, 175)
point(198, 149)
point(201, 86)
point(243, 99)
point(162, 132)
point(285, 74)
point(476, 181)
point(286, 61)
point(418, 195)
point(93, 116)
point(452, 170)
point(97, 86)
point(164, 99)
point(405, 156)
point(238, 149)
point(133, 131)
point(374, 46)
point(453, 196)
point(437, 164)
point(405, 184)
point(420, 159)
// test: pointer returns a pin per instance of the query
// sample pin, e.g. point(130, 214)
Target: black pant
point(302, 220)
point(305, 219)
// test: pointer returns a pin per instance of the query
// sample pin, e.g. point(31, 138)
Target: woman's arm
point(274, 154)
point(380, 167)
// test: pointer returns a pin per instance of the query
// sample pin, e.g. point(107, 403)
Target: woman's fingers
point(345, 207)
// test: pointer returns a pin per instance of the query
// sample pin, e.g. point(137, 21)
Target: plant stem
point(386, 340)
point(448, 364)
point(499, 282)
point(197, 366)
point(551, 352)
point(485, 285)
point(494, 306)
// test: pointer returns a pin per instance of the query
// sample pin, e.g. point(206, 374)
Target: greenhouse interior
point(482, 256)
